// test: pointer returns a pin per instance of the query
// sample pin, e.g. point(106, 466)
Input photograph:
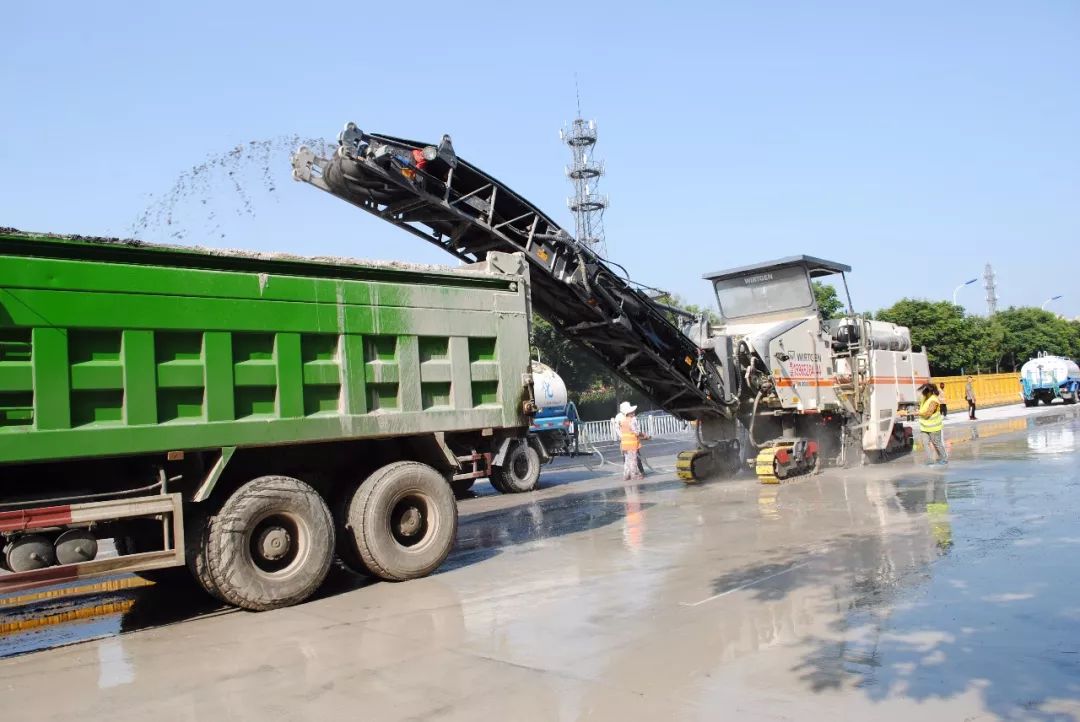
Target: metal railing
point(655, 425)
point(600, 431)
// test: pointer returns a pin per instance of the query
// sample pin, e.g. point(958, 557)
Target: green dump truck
point(250, 416)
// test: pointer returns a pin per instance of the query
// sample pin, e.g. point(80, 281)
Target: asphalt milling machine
point(805, 390)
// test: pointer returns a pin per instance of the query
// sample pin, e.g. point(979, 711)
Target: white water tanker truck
point(1045, 378)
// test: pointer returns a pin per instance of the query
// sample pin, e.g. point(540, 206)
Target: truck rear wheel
point(461, 487)
point(196, 549)
point(400, 523)
point(520, 471)
point(270, 546)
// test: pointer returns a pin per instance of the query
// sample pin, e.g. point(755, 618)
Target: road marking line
point(744, 586)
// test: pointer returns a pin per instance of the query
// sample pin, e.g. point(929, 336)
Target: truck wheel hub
point(274, 543)
point(410, 522)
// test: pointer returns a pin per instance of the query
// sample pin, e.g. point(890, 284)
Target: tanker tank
point(549, 390)
point(556, 424)
point(1045, 378)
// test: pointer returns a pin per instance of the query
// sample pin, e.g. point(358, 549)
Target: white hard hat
point(626, 408)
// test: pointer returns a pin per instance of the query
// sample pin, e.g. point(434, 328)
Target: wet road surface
point(887, 592)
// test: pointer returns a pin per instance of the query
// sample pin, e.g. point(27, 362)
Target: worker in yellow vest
point(931, 424)
point(630, 437)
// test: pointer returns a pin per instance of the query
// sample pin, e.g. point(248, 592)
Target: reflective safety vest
point(628, 440)
point(933, 422)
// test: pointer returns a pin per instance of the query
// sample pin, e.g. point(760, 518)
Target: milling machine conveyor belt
point(436, 196)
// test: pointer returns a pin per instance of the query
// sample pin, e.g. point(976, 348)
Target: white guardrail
point(654, 425)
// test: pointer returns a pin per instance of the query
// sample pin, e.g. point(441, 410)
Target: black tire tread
point(502, 478)
point(497, 481)
point(221, 557)
point(345, 550)
point(462, 487)
point(364, 498)
point(196, 548)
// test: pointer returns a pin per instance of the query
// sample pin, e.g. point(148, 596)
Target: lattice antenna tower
point(991, 290)
point(584, 172)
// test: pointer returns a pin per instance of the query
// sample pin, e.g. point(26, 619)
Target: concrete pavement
point(958, 417)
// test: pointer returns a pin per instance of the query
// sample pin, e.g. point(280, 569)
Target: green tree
point(1028, 330)
point(828, 300)
point(950, 337)
point(989, 343)
point(1074, 337)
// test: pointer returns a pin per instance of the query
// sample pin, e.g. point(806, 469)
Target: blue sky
point(913, 140)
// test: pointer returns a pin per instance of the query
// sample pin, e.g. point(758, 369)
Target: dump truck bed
point(110, 348)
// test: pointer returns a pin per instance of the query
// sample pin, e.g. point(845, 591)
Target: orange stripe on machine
point(803, 381)
point(788, 382)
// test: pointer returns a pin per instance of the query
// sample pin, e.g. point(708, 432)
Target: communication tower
point(991, 290)
point(584, 173)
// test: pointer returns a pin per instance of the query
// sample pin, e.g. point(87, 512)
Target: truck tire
point(271, 545)
point(401, 522)
point(462, 486)
point(1048, 400)
point(196, 550)
point(345, 546)
point(520, 472)
point(1031, 402)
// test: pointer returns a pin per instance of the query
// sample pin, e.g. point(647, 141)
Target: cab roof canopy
point(818, 267)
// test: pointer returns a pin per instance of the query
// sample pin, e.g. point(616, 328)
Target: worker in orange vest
point(630, 437)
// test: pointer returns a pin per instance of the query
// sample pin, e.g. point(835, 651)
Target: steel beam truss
point(454, 205)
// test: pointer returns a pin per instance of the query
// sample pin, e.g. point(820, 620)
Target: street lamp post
point(1044, 303)
point(965, 283)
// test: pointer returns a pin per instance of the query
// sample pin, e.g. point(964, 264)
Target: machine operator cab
point(764, 300)
point(775, 291)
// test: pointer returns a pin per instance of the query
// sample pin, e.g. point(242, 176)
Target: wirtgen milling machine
point(810, 390)
point(806, 390)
